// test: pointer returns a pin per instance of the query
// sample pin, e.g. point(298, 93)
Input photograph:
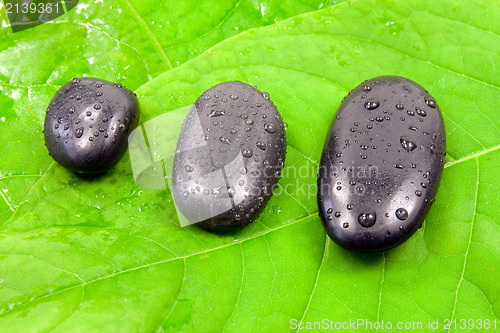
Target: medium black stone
point(87, 124)
point(381, 164)
point(229, 157)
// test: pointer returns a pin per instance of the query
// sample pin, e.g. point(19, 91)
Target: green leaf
point(84, 254)
point(117, 40)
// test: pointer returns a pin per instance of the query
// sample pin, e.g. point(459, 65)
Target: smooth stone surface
point(381, 164)
point(87, 124)
point(229, 157)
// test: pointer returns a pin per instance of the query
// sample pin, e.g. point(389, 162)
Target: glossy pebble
point(229, 157)
point(381, 164)
point(87, 124)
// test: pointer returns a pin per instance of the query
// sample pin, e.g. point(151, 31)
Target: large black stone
point(381, 164)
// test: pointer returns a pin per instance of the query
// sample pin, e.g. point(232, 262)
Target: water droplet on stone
point(401, 214)
point(431, 102)
point(224, 140)
point(372, 104)
point(269, 128)
point(421, 112)
point(367, 218)
point(79, 132)
point(400, 106)
point(407, 89)
point(261, 145)
point(247, 152)
point(407, 143)
point(216, 113)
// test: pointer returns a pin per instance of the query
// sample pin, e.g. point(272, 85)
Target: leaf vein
point(241, 288)
point(176, 299)
point(144, 24)
point(471, 156)
point(381, 288)
point(224, 19)
point(162, 262)
point(468, 243)
point(7, 201)
point(325, 252)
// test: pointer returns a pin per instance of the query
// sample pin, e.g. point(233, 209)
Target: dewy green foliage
point(80, 254)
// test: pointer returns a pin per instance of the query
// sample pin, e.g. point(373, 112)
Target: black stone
point(87, 124)
point(381, 164)
point(229, 157)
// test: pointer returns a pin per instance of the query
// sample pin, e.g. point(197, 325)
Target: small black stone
point(87, 124)
point(229, 157)
point(383, 178)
